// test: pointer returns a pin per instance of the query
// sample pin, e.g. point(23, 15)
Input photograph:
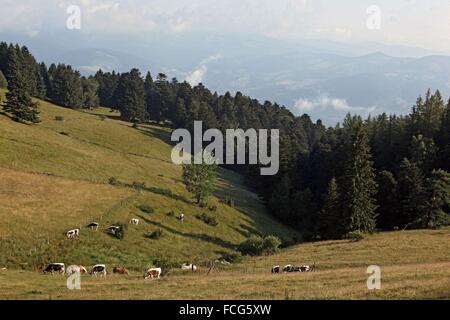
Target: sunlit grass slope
point(54, 177)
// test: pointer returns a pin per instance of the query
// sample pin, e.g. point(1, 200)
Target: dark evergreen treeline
point(386, 172)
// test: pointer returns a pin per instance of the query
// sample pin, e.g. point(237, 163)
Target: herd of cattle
point(100, 270)
point(152, 273)
point(75, 233)
point(290, 269)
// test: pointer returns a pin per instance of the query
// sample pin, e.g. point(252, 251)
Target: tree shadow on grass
point(155, 132)
point(204, 237)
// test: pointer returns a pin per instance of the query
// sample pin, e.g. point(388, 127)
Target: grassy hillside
point(414, 265)
point(54, 177)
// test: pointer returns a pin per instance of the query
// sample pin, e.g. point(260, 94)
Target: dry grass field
point(410, 270)
point(54, 177)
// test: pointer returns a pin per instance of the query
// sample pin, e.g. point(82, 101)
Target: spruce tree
point(148, 87)
point(388, 217)
point(437, 199)
point(130, 97)
point(330, 215)
point(358, 183)
point(3, 82)
point(411, 193)
point(18, 100)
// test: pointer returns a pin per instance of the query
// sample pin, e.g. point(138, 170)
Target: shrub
point(171, 214)
point(155, 235)
point(138, 185)
point(256, 245)
point(146, 208)
point(232, 257)
point(120, 233)
point(59, 118)
point(212, 208)
point(113, 181)
point(271, 244)
point(355, 236)
point(165, 264)
point(209, 220)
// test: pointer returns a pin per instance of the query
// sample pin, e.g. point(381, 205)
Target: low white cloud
point(197, 76)
point(324, 103)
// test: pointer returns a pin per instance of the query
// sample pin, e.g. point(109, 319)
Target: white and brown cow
point(276, 269)
point(99, 269)
point(134, 222)
point(71, 234)
point(94, 226)
point(288, 268)
point(153, 273)
point(55, 268)
point(189, 266)
point(75, 269)
point(113, 230)
point(121, 270)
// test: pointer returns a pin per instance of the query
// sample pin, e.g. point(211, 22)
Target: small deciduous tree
point(200, 179)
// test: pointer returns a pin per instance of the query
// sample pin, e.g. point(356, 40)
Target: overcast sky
point(422, 23)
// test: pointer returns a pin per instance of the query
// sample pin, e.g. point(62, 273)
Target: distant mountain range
point(322, 78)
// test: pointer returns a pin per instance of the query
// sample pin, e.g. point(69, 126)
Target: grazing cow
point(121, 270)
point(181, 218)
point(288, 268)
point(276, 269)
point(71, 234)
point(305, 268)
point(153, 273)
point(113, 230)
point(76, 269)
point(189, 266)
point(55, 268)
point(94, 226)
point(99, 269)
point(134, 222)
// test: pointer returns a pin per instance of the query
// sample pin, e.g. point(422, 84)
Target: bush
point(271, 244)
point(232, 257)
point(252, 246)
point(155, 235)
point(209, 220)
point(165, 264)
point(212, 208)
point(138, 185)
point(146, 208)
point(256, 246)
point(59, 118)
point(355, 236)
point(171, 214)
point(120, 233)
point(113, 181)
